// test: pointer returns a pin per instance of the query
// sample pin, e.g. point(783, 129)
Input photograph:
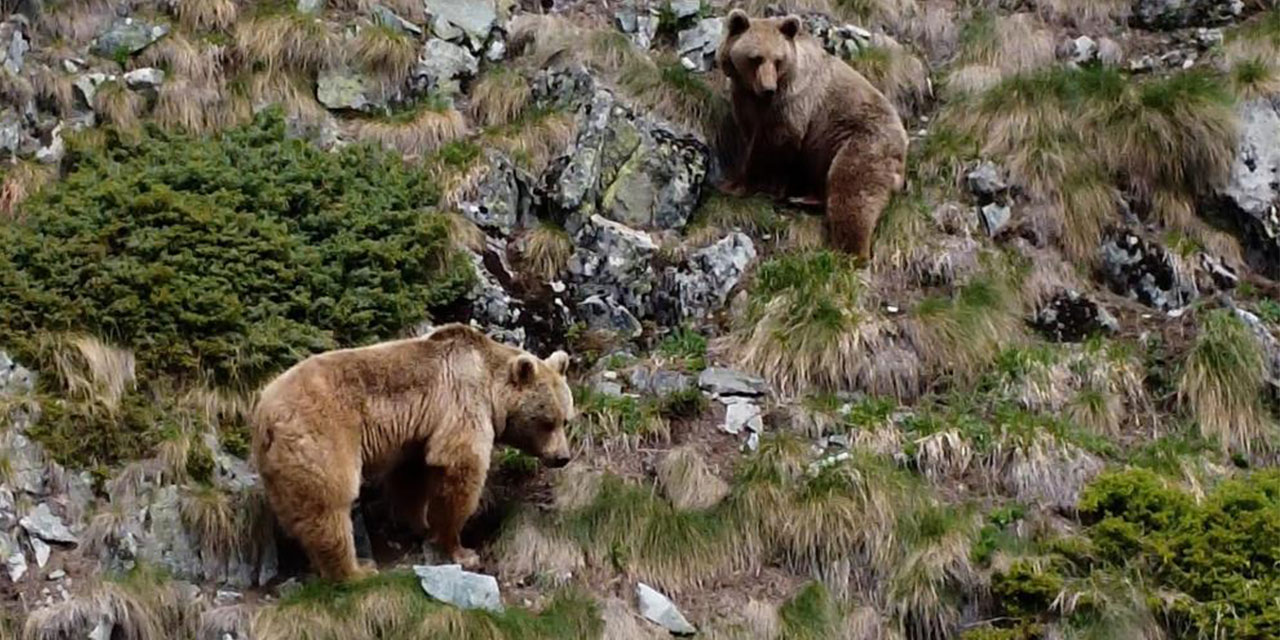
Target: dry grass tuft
point(141, 607)
point(293, 92)
point(1222, 383)
point(993, 47)
point(200, 61)
point(119, 107)
point(687, 482)
point(21, 181)
point(526, 551)
point(417, 133)
point(465, 233)
point(94, 370)
point(288, 42)
point(77, 21)
point(545, 251)
point(205, 15)
point(53, 89)
point(809, 328)
point(534, 140)
point(677, 94)
point(957, 335)
point(498, 97)
point(1086, 13)
point(385, 52)
point(897, 73)
point(935, 568)
point(201, 109)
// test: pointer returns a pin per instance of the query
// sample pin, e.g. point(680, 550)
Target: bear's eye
point(757, 59)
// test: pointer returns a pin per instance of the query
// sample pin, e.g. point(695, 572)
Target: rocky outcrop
point(1253, 191)
point(1175, 14)
point(1147, 272)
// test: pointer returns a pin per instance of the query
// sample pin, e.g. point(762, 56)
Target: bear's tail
point(860, 183)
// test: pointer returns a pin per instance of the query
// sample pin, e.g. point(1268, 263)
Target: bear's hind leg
point(860, 183)
point(330, 545)
point(454, 495)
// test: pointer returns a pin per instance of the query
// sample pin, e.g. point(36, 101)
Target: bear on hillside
point(352, 415)
point(814, 128)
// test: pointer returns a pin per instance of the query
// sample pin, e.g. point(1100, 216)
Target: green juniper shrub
point(228, 258)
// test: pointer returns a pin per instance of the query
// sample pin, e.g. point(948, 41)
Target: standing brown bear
point(442, 399)
point(815, 129)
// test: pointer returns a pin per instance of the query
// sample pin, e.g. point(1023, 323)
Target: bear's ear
point(790, 27)
point(523, 370)
point(559, 362)
point(738, 22)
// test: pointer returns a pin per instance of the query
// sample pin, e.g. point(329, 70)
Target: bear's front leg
point(454, 495)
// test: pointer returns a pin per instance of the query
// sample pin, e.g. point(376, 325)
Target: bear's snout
point(556, 462)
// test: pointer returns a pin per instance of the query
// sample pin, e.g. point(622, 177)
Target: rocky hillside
point(1046, 409)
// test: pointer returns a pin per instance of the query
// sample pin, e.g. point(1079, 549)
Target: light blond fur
point(815, 129)
point(422, 415)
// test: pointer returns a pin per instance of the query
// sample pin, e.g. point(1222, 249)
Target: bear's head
point(759, 54)
point(538, 405)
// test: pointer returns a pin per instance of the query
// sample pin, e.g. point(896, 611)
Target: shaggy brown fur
point(442, 399)
point(815, 129)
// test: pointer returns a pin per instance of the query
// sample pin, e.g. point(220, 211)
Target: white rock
point(41, 550)
point(145, 78)
point(17, 565)
point(44, 524)
point(463, 589)
point(742, 415)
point(659, 610)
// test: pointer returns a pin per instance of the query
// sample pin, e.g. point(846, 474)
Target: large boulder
point(1253, 191)
point(702, 283)
point(442, 66)
point(614, 263)
point(344, 89)
point(626, 167)
point(127, 36)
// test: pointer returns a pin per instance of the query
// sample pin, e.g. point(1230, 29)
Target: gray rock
point(463, 589)
point(659, 610)
point(1146, 272)
point(640, 26)
point(53, 152)
point(11, 133)
point(742, 414)
point(87, 85)
point(145, 78)
point(1072, 317)
point(16, 564)
point(442, 67)
point(699, 43)
point(608, 388)
point(727, 382)
point(601, 313)
point(57, 575)
point(14, 378)
point(344, 89)
point(43, 523)
point(1270, 345)
point(127, 37)
point(1174, 14)
point(496, 204)
point(1253, 191)
point(659, 383)
point(388, 18)
point(14, 44)
point(496, 51)
point(1081, 50)
point(995, 217)
point(840, 40)
point(682, 9)
point(628, 168)
point(166, 543)
point(28, 467)
point(613, 261)
point(492, 309)
point(310, 6)
point(567, 87)
point(986, 180)
point(1110, 52)
point(475, 18)
point(704, 281)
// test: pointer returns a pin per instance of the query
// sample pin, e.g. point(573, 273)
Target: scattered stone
point(344, 89)
point(698, 44)
point(492, 308)
point(659, 610)
point(87, 85)
point(145, 78)
point(682, 9)
point(741, 415)
point(608, 388)
point(640, 26)
point(841, 40)
point(42, 523)
point(727, 382)
point(463, 589)
point(752, 443)
point(475, 19)
point(442, 67)
point(1209, 38)
point(388, 18)
point(1175, 14)
point(985, 181)
point(16, 564)
point(613, 263)
point(226, 597)
point(1072, 317)
point(1146, 272)
point(127, 37)
point(1110, 52)
point(11, 133)
point(658, 383)
point(995, 217)
point(53, 152)
point(310, 6)
point(56, 575)
point(41, 550)
point(1270, 345)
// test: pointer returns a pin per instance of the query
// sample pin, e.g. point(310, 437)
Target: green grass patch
point(686, 346)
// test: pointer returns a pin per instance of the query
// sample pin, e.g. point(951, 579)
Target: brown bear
point(352, 415)
point(815, 130)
